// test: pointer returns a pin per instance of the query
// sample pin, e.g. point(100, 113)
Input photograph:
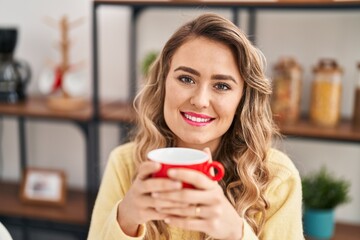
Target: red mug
point(175, 157)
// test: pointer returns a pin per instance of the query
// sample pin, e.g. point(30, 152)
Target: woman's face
point(202, 91)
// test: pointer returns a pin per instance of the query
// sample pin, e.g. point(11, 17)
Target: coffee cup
point(175, 157)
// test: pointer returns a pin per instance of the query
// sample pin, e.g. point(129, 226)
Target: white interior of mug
point(178, 156)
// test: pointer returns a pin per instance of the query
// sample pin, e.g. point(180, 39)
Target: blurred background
point(306, 35)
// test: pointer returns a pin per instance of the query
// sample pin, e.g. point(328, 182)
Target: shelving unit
point(75, 216)
point(302, 129)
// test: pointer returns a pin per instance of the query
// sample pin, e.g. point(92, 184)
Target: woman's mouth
point(196, 119)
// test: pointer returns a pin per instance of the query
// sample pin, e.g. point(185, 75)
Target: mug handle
point(219, 168)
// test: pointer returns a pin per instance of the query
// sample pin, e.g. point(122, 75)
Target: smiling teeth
point(196, 119)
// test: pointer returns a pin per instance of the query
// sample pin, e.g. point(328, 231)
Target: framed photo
point(43, 186)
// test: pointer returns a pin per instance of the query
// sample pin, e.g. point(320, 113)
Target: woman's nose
point(200, 98)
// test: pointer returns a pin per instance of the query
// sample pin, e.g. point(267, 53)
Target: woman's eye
point(186, 79)
point(222, 86)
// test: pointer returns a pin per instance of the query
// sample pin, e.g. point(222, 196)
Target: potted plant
point(322, 193)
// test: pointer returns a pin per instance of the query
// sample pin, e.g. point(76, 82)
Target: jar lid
point(328, 65)
point(287, 63)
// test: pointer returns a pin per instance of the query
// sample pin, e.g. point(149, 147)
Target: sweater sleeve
point(115, 183)
point(283, 218)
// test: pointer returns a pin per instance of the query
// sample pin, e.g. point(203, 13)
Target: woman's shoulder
point(124, 149)
point(123, 154)
point(280, 165)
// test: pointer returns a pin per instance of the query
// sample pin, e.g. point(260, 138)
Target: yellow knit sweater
point(283, 218)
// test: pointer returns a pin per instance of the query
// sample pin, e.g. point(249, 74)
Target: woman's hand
point(208, 209)
point(138, 205)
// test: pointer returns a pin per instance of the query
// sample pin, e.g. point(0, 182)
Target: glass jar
point(326, 93)
point(356, 113)
point(286, 97)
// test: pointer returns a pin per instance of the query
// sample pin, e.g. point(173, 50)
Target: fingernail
point(167, 220)
point(177, 185)
point(157, 165)
point(171, 173)
point(154, 195)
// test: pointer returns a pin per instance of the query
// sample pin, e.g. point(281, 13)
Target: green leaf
point(148, 60)
point(322, 190)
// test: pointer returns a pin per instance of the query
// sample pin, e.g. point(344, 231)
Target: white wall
point(307, 35)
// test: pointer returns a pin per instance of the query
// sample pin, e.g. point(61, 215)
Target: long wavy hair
point(244, 147)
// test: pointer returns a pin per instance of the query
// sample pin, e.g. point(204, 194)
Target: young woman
point(207, 91)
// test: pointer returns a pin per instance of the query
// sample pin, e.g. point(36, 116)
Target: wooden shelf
point(304, 128)
point(240, 3)
point(124, 112)
point(74, 212)
point(118, 112)
point(37, 107)
point(345, 231)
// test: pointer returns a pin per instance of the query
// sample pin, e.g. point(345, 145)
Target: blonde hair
point(243, 148)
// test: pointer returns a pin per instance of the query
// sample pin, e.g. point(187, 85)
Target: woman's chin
point(197, 143)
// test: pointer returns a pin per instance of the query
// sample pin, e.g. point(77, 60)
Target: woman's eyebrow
point(188, 69)
point(223, 77)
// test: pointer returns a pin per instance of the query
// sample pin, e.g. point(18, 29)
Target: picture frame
point(43, 187)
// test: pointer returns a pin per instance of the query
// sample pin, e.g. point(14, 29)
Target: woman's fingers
point(190, 196)
point(147, 169)
point(148, 184)
point(159, 185)
point(192, 211)
point(156, 203)
point(152, 214)
point(193, 177)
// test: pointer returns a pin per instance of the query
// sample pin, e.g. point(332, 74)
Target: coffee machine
point(14, 74)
